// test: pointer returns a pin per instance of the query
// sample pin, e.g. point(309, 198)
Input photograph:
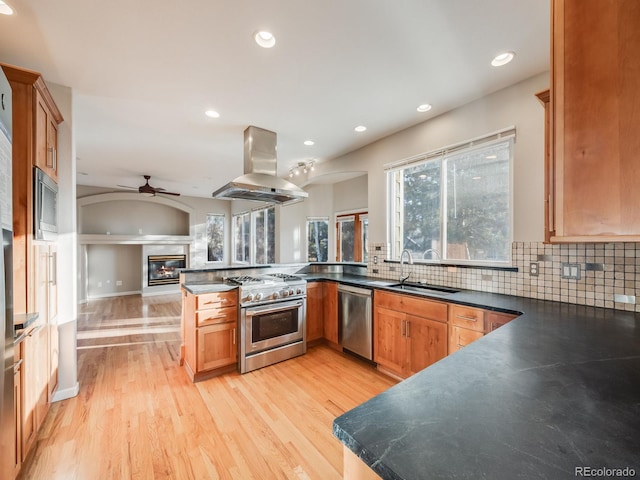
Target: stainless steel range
point(272, 319)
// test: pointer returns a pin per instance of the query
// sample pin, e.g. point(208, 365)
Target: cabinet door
point(29, 391)
point(595, 105)
point(45, 138)
point(217, 346)
point(315, 310)
point(389, 341)
point(331, 311)
point(461, 337)
point(17, 410)
point(496, 320)
point(54, 355)
point(426, 342)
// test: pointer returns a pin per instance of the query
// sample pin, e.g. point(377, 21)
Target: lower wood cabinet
point(315, 311)
point(217, 346)
point(467, 324)
point(17, 410)
point(410, 333)
point(330, 324)
point(209, 332)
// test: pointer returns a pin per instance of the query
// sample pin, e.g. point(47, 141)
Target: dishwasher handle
point(354, 290)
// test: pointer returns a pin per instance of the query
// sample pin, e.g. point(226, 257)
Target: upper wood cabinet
point(595, 117)
point(46, 140)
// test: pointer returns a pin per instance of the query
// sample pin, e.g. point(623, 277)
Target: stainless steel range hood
point(260, 180)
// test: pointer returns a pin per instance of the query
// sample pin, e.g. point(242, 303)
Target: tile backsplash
point(608, 274)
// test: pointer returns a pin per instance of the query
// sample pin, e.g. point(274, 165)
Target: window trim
point(252, 235)
point(356, 216)
point(316, 219)
point(507, 134)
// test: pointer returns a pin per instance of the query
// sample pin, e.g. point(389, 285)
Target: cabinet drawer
point(461, 337)
point(467, 317)
point(212, 316)
point(495, 320)
point(216, 300)
point(411, 305)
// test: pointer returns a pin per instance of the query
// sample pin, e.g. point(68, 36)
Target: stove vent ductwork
point(260, 180)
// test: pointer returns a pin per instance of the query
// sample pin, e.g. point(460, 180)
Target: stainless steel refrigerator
point(7, 411)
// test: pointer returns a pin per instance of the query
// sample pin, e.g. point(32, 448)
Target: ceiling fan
point(149, 190)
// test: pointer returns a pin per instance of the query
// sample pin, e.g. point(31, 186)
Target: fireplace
point(164, 269)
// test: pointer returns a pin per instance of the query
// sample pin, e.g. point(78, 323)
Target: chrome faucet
point(402, 275)
point(431, 250)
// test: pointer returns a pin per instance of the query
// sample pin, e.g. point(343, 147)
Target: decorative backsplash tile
point(608, 274)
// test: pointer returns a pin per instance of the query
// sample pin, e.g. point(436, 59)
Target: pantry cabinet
point(210, 332)
point(410, 333)
point(595, 113)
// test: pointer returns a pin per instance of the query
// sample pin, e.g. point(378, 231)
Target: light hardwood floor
point(138, 416)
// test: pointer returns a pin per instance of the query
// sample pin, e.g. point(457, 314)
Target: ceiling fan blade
point(127, 186)
point(167, 193)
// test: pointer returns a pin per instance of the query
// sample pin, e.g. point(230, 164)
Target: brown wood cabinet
point(17, 409)
point(410, 333)
point(315, 311)
point(595, 113)
point(330, 324)
point(210, 332)
point(46, 144)
point(468, 324)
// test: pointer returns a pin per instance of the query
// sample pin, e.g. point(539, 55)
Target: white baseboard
point(71, 392)
point(116, 294)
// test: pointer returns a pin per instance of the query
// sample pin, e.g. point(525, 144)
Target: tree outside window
point(318, 239)
point(215, 238)
point(254, 236)
point(458, 204)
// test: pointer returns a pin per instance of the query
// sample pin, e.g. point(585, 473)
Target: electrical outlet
point(533, 269)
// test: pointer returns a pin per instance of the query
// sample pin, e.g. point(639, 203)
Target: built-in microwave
point(45, 206)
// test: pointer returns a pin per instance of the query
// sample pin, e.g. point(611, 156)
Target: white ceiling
point(143, 72)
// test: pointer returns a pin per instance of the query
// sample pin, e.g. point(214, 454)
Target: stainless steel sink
point(424, 288)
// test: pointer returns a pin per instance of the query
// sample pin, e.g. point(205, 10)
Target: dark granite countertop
point(555, 389)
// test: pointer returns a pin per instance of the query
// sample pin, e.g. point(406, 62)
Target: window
point(352, 237)
point(455, 205)
point(215, 238)
point(254, 236)
point(317, 239)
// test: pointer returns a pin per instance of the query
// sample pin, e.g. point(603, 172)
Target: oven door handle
point(250, 312)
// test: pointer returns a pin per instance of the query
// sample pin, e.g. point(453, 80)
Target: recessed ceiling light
point(491, 157)
point(308, 143)
point(5, 9)
point(264, 39)
point(360, 128)
point(502, 59)
point(425, 107)
point(212, 114)
point(476, 178)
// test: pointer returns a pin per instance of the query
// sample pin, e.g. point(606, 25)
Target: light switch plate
point(571, 271)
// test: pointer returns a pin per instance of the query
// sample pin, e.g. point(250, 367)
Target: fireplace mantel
point(89, 239)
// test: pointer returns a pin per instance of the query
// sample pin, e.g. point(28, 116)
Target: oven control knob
point(299, 291)
point(276, 295)
point(249, 297)
point(285, 293)
point(258, 296)
point(291, 292)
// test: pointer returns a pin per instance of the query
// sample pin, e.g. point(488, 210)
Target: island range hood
point(260, 180)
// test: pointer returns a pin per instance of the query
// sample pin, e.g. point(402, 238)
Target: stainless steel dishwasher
point(355, 320)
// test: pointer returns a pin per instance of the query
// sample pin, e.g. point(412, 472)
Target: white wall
point(351, 195)
point(515, 105)
point(109, 264)
point(67, 268)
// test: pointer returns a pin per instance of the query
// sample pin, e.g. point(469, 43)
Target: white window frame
point(395, 194)
point(251, 260)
